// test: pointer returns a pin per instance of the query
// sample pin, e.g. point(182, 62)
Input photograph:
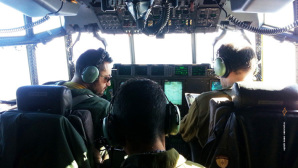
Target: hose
point(265, 31)
point(33, 24)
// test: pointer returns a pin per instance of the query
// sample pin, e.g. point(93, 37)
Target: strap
point(78, 99)
point(227, 91)
point(61, 82)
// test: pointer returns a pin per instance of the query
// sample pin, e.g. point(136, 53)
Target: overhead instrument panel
point(185, 16)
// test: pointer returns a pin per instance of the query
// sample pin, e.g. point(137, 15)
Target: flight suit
point(195, 124)
point(95, 104)
point(167, 159)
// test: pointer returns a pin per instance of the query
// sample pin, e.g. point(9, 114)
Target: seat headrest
point(262, 94)
point(44, 98)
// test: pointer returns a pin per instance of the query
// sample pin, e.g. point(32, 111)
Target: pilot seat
point(38, 134)
point(260, 129)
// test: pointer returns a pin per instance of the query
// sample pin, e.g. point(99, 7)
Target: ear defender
point(111, 133)
point(172, 119)
point(115, 137)
point(220, 67)
point(90, 74)
point(106, 129)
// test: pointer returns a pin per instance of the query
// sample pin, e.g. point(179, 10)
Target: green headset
point(114, 136)
point(221, 68)
point(90, 73)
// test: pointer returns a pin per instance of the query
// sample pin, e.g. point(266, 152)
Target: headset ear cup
point(105, 129)
point(173, 117)
point(220, 68)
point(111, 133)
point(90, 74)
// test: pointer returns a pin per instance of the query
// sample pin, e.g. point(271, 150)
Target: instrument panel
point(185, 16)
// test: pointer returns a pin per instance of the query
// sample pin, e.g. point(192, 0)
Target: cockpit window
point(172, 49)
point(14, 71)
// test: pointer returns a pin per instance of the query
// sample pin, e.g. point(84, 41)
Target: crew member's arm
point(196, 123)
point(189, 124)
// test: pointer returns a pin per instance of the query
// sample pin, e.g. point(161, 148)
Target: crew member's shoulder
point(211, 94)
point(183, 163)
point(93, 97)
point(206, 96)
point(191, 164)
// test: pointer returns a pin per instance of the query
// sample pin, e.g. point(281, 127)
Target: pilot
point(92, 76)
point(232, 65)
point(138, 123)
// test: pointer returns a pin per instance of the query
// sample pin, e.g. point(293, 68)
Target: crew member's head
point(139, 109)
point(235, 64)
point(93, 70)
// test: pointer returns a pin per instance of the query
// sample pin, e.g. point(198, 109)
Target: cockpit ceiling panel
point(39, 8)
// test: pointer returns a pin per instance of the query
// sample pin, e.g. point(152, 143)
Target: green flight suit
point(195, 123)
point(95, 104)
point(98, 108)
point(167, 159)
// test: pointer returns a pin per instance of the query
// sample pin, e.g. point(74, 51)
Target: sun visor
point(255, 19)
point(258, 6)
point(39, 8)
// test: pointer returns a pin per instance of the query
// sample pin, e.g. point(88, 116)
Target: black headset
point(114, 136)
point(90, 73)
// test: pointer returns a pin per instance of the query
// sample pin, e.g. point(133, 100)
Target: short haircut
point(139, 108)
point(236, 58)
point(92, 58)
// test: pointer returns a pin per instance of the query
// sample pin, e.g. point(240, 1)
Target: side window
point(52, 23)
point(51, 61)
point(14, 71)
point(278, 61)
point(279, 56)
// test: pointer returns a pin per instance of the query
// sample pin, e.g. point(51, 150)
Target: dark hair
point(140, 108)
point(92, 58)
point(236, 58)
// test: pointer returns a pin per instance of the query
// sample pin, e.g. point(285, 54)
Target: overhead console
point(151, 17)
point(185, 16)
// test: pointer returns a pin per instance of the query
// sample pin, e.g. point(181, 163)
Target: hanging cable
point(77, 39)
point(54, 13)
point(33, 24)
point(97, 36)
point(161, 23)
point(257, 30)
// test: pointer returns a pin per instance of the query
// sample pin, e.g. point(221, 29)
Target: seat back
point(218, 107)
point(38, 134)
point(261, 130)
point(85, 125)
point(219, 110)
point(81, 119)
